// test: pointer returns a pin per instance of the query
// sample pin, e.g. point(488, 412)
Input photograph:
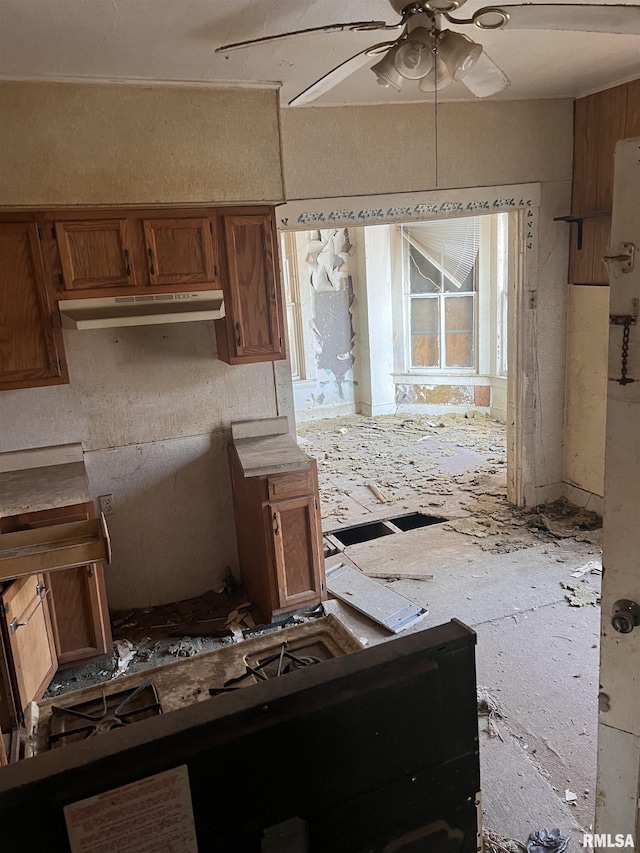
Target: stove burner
point(97, 716)
point(287, 662)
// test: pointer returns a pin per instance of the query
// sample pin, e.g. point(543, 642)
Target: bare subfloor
point(506, 572)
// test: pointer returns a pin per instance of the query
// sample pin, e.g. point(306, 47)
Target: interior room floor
point(507, 573)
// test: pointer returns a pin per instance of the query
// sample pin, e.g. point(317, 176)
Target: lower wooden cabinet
point(77, 597)
point(49, 620)
point(29, 650)
point(279, 534)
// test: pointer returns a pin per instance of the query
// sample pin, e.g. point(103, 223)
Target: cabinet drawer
point(60, 546)
point(290, 485)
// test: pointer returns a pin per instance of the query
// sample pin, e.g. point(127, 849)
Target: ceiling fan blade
point(580, 17)
point(485, 78)
point(337, 75)
point(358, 26)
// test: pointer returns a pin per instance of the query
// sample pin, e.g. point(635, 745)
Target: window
point(292, 299)
point(502, 285)
point(442, 315)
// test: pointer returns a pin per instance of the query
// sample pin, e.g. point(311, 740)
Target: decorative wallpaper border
point(405, 207)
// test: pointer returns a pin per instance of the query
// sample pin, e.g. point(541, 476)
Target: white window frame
point(290, 274)
point(420, 370)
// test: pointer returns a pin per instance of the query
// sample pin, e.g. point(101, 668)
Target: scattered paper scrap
point(593, 567)
point(570, 797)
point(124, 654)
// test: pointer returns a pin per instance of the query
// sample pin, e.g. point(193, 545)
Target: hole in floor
point(415, 520)
point(362, 533)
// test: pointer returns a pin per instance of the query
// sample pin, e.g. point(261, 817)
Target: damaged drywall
point(324, 282)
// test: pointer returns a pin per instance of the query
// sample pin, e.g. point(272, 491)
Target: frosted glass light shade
point(438, 78)
point(386, 71)
point(414, 58)
point(459, 53)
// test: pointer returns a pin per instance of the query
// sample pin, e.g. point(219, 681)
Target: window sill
point(441, 377)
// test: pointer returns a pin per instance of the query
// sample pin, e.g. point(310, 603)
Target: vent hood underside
point(146, 310)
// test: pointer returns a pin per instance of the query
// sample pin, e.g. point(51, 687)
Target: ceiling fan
point(434, 57)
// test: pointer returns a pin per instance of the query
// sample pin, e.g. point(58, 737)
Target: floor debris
point(495, 843)
point(488, 707)
point(580, 594)
point(125, 652)
point(547, 841)
point(480, 527)
point(593, 567)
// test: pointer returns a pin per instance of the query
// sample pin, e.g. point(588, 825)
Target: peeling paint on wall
point(441, 395)
point(330, 279)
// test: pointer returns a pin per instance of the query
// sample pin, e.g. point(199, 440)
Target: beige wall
point(347, 151)
point(338, 151)
point(151, 405)
point(104, 144)
point(587, 342)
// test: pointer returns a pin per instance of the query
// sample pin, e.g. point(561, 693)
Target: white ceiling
point(175, 40)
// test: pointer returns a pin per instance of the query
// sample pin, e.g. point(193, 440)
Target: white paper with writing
point(153, 815)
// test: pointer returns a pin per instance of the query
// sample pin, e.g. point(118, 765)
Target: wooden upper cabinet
point(600, 121)
point(31, 350)
point(181, 251)
point(95, 254)
point(253, 329)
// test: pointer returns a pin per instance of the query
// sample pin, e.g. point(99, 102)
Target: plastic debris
point(547, 841)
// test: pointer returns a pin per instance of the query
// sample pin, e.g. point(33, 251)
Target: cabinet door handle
point(276, 523)
point(152, 268)
point(126, 262)
point(239, 334)
point(41, 593)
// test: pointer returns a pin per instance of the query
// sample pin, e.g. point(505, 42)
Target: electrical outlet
point(106, 504)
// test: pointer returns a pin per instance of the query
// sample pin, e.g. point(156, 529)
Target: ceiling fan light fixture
point(490, 18)
point(437, 79)
point(443, 6)
point(386, 72)
point(413, 58)
point(459, 53)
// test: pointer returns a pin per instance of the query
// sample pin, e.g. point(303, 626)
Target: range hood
point(144, 310)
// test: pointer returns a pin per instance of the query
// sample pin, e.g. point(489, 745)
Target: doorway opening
point(398, 342)
point(409, 391)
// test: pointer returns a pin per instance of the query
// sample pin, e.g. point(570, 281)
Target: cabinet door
point(77, 597)
point(298, 550)
point(95, 253)
point(253, 327)
point(29, 637)
point(31, 351)
point(181, 251)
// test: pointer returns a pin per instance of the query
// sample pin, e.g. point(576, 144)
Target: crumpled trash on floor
point(547, 841)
